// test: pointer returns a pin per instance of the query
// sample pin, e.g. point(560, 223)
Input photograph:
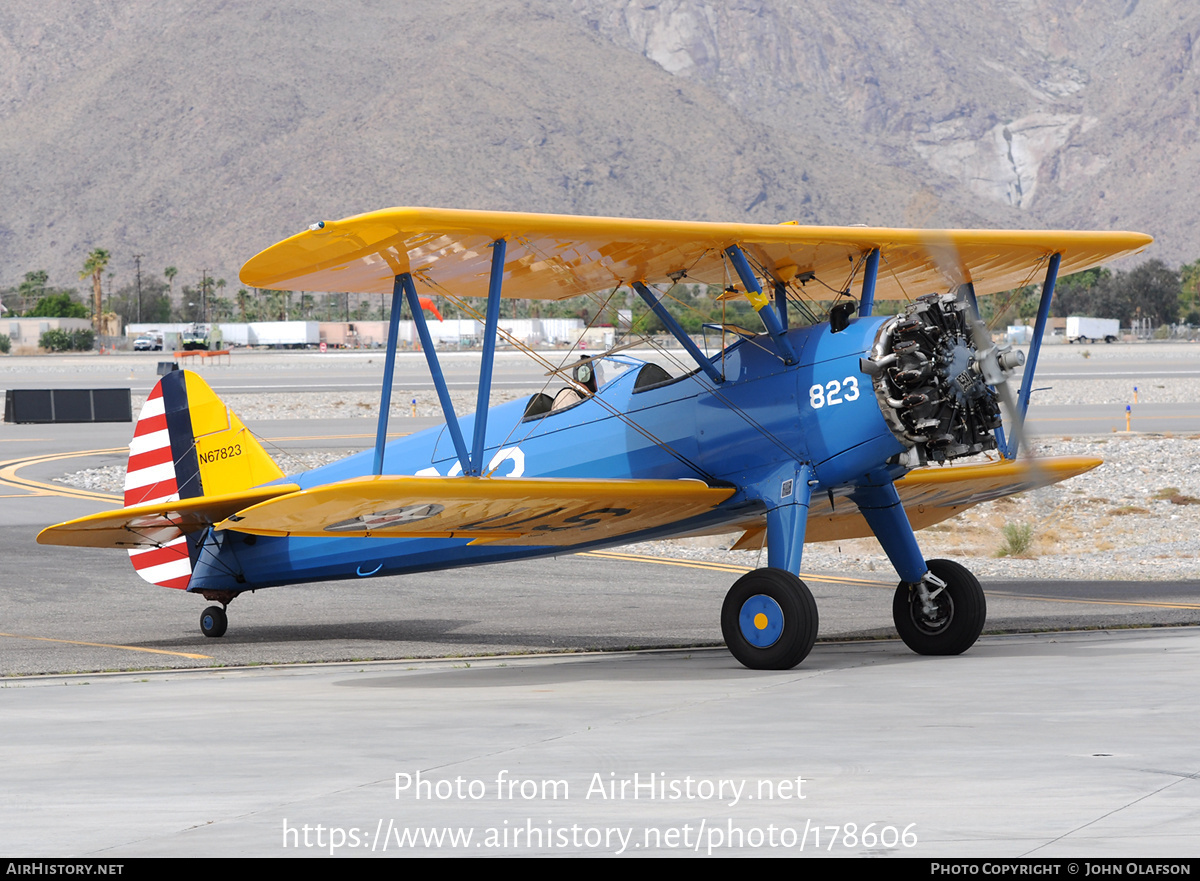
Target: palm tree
point(170, 272)
point(94, 266)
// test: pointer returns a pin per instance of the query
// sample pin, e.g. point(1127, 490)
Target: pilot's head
point(585, 374)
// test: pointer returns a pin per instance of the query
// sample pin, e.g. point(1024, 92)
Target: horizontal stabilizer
point(504, 510)
point(156, 524)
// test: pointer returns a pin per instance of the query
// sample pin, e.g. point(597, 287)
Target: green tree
point(308, 305)
point(96, 263)
point(220, 309)
point(156, 303)
point(57, 305)
point(1076, 294)
point(67, 340)
point(33, 288)
point(190, 305)
point(1150, 290)
point(1189, 295)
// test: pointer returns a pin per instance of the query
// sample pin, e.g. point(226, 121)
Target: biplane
point(845, 424)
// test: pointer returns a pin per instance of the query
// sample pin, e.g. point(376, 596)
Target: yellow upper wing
point(551, 256)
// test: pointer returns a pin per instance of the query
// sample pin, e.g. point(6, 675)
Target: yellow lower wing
point(504, 510)
point(931, 495)
point(141, 526)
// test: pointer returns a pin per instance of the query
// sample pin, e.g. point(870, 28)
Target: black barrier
point(165, 367)
point(68, 405)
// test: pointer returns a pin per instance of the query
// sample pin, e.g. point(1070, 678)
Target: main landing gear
point(943, 614)
point(769, 620)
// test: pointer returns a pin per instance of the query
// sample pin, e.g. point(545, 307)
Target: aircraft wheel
point(213, 621)
point(961, 610)
point(769, 620)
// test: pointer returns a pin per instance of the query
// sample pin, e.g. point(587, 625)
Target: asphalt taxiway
point(1043, 745)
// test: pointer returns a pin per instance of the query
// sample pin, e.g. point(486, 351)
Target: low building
point(24, 333)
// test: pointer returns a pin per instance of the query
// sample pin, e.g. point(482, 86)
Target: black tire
point(213, 621)
point(787, 607)
point(962, 612)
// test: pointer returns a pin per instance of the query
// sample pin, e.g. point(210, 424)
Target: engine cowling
point(932, 382)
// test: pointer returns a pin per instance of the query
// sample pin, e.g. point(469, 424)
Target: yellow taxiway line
point(8, 469)
point(727, 567)
point(836, 579)
point(8, 476)
point(1144, 603)
point(105, 645)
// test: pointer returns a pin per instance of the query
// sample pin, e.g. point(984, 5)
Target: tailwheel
point(213, 621)
point(769, 620)
point(952, 618)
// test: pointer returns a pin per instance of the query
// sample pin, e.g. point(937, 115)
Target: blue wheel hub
point(761, 621)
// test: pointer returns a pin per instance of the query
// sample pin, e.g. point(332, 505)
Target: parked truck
point(285, 334)
point(1090, 330)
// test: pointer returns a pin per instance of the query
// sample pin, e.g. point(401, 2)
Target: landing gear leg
point(939, 607)
point(769, 618)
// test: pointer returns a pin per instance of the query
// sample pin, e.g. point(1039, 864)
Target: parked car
point(147, 344)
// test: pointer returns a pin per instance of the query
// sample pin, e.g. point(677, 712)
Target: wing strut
point(678, 332)
point(1039, 331)
point(435, 370)
point(870, 274)
point(385, 404)
point(761, 303)
point(495, 283)
point(471, 462)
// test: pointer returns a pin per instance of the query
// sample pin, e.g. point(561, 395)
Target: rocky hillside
point(197, 133)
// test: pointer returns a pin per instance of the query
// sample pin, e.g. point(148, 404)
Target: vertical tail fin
point(187, 443)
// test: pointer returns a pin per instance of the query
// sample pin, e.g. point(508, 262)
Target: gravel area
point(1136, 517)
point(322, 405)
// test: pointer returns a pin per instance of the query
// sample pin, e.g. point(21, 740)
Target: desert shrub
point(1018, 539)
point(67, 340)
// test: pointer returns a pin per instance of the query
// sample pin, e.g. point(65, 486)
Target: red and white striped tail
point(166, 566)
point(150, 474)
point(150, 478)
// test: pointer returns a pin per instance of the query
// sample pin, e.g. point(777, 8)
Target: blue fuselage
point(765, 418)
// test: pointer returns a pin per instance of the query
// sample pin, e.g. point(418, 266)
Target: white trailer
point(1089, 330)
point(285, 333)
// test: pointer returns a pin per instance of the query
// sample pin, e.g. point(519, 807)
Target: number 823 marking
point(833, 392)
